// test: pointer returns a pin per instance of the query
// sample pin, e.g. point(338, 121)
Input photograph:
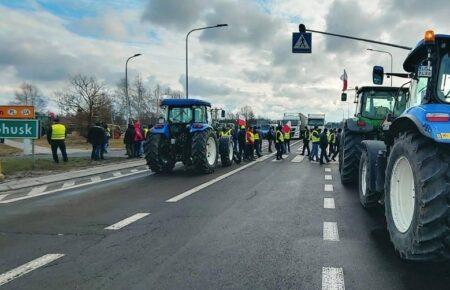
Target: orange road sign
point(17, 112)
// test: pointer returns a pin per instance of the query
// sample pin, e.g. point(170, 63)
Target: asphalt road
point(258, 227)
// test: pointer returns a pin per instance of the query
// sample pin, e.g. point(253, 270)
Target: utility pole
point(187, 64)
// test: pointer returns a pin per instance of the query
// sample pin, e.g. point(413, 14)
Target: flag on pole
point(287, 127)
point(344, 80)
point(241, 120)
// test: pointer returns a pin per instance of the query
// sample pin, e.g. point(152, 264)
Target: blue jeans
point(97, 152)
point(137, 148)
point(315, 151)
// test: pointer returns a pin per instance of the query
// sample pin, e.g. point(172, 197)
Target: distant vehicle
point(264, 127)
point(316, 120)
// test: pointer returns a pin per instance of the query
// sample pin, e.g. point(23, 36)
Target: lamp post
point(386, 52)
point(187, 67)
point(126, 85)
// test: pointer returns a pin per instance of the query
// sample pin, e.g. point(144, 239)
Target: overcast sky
point(248, 63)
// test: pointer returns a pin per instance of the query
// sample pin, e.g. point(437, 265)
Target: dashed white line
point(328, 202)
point(37, 190)
point(328, 187)
point(328, 177)
point(332, 278)
point(330, 231)
point(69, 183)
point(117, 174)
point(327, 169)
point(95, 179)
point(127, 221)
point(134, 170)
point(28, 267)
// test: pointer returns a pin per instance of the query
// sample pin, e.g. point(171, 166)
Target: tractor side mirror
point(344, 97)
point(222, 113)
point(378, 75)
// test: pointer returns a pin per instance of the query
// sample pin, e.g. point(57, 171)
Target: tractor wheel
point(349, 156)
point(367, 197)
point(204, 151)
point(226, 151)
point(417, 198)
point(157, 154)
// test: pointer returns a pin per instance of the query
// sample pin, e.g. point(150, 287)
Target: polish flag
point(344, 80)
point(287, 127)
point(241, 121)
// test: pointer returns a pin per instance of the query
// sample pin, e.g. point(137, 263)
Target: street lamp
point(187, 36)
point(387, 52)
point(126, 86)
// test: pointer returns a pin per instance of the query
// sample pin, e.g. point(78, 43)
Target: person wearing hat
point(56, 137)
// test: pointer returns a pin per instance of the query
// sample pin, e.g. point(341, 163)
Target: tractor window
point(418, 90)
point(199, 114)
point(180, 115)
point(443, 88)
point(377, 104)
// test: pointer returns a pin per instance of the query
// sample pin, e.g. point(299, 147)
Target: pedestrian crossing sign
point(301, 42)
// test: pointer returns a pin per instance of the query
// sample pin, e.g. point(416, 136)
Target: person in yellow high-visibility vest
point(287, 140)
point(279, 142)
point(315, 139)
point(257, 137)
point(56, 138)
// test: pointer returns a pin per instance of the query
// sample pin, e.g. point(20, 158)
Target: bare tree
point(84, 96)
point(29, 94)
point(247, 112)
point(142, 101)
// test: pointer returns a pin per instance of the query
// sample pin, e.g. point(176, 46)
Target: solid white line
point(332, 278)
point(327, 169)
point(37, 190)
point(28, 267)
point(69, 183)
point(328, 177)
point(127, 221)
point(330, 231)
point(328, 202)
point(72, 187)
point(328, 187)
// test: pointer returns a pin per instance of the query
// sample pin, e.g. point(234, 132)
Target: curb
point(34, 181)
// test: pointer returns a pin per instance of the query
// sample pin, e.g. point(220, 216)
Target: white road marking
point(37, 190)
point(298, 159)
point(28, 267)
point(71, 187)
point(328, 202)
point(330, 231)
point(217, 179)
point(332, 278)
point(127, 221)
point(95, 179)
point(328, 187)
point(117, 174)
point(134, 170)
point(2, 196)
point(328, 177)
point(69, 183)
point(327, 169)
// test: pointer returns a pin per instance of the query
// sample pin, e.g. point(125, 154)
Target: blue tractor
point(186, 134)
point(409, 172)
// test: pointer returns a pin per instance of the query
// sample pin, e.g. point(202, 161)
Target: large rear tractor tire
point(204, 151)
point(157, 154)
point(226, 151)
point(349, 156)
point(367, 197)
point(417, 191)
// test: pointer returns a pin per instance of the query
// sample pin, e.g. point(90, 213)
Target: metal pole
point(361, 39)
point(392, 59)
point(187, 47)
point(126, 86)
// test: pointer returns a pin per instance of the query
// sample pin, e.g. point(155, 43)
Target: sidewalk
point(41, 149)
point(43, 180)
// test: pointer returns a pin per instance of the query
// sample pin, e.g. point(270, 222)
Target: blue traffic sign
point(301, 42)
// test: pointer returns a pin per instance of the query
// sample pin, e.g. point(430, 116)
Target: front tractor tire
point(204, 151)
point(226, 151)
point(349, 156)
point(367, 197)
point(417, 198)
point(157, 154)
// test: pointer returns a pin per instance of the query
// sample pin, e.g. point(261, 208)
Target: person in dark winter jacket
point(128, 140)
point(241, 141)
point(96, 137)
point(323, 146)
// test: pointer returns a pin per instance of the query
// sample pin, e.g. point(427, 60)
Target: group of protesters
point(134, 139)
point(98, 136)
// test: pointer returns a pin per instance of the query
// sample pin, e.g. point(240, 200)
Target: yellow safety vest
point(287, 135)
point(315, 139)
point(331, 138)
point(256, 136)
point(280, 137)
point(226, 133)
point(145, 132)
point(58, 132)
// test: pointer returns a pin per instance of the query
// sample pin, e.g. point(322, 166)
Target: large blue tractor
point(410, 171)
point(186, 134)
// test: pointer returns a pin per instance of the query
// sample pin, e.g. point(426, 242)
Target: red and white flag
point(344, 81)
point(287, 127)
point(241, 120)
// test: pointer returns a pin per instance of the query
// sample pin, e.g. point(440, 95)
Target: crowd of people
point(328, 141)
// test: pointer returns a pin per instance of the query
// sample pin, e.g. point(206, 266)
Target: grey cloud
point(205, 87)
